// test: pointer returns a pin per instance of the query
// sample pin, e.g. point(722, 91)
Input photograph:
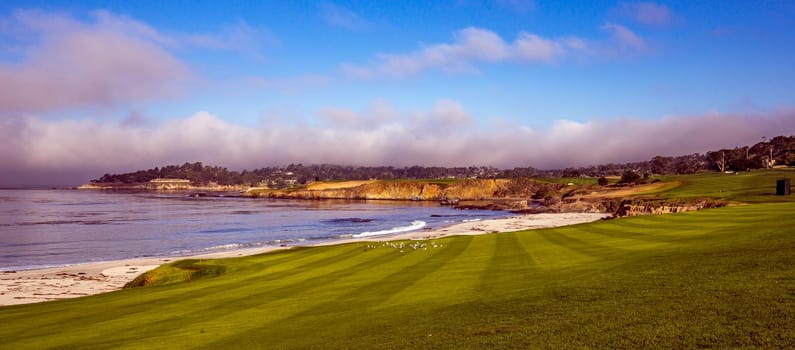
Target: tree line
point(779, 150)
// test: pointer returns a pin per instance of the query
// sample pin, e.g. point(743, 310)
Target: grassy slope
point(721, 278)
point(754, 187)
point(567, 180)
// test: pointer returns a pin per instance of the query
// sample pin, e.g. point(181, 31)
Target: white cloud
point(624, 36)
point(471, 45)
point(73, 64)
point(530, 47)
point(240, 37)
point(109, 60)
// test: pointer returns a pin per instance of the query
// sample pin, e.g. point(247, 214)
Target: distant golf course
point(716, 278)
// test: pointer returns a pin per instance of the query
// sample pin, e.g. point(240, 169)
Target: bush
point(602, 181)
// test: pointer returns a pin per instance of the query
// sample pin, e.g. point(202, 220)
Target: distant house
point(169, 184)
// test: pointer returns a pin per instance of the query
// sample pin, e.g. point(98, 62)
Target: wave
point(347, 220)
point(415, 225)
point(7, 269)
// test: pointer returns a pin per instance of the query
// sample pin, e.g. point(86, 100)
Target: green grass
point(758, 186)
point(718, 278)
point(568, 180)
point(715, 278)
point(426, 181)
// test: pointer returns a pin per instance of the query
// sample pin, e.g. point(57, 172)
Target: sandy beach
point(30, 286)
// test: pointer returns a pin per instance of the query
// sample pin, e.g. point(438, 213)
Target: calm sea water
point(43, 228)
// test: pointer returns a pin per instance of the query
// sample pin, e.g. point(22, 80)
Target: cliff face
point(376, 190)
point(477, 189)
point(397, 190)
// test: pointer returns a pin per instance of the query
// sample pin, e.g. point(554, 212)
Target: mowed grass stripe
point(459, 274)
point(572, 238)
point(510, 264)
point(56, 309)
point(364, 300)
point(230, 315)
point(181, 299)
point(162, 298)
point(617, 244)
point(548, 255)
point(229, 311)
point(393, 281)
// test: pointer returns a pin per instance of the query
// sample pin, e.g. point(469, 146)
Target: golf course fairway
point(719, 278)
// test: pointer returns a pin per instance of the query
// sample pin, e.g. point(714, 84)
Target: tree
point(719, 159)
point(602, 181)
point(629, 176)
point(661, 165)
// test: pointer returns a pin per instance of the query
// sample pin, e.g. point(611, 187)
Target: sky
point(94, 87)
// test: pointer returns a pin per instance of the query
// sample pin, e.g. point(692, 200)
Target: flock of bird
point(403, 246)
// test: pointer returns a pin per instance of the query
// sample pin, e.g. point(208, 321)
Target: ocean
point(48, 228)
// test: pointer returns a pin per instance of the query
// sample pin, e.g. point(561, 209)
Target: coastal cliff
point(519, 195)
point(475, 189)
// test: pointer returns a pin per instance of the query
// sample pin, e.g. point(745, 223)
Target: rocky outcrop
point(494, 204)
point(653, 206)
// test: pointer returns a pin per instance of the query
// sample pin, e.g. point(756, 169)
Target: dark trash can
point(783, 187)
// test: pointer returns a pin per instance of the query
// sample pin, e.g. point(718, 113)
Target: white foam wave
point(228, 246)
point(231, 246)
point(415, 225)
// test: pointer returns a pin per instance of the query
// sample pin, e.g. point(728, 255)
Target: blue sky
point(502, 83)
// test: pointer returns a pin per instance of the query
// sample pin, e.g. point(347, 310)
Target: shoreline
point(38, 285)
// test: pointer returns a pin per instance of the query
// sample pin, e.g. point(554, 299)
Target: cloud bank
point(69, 152)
